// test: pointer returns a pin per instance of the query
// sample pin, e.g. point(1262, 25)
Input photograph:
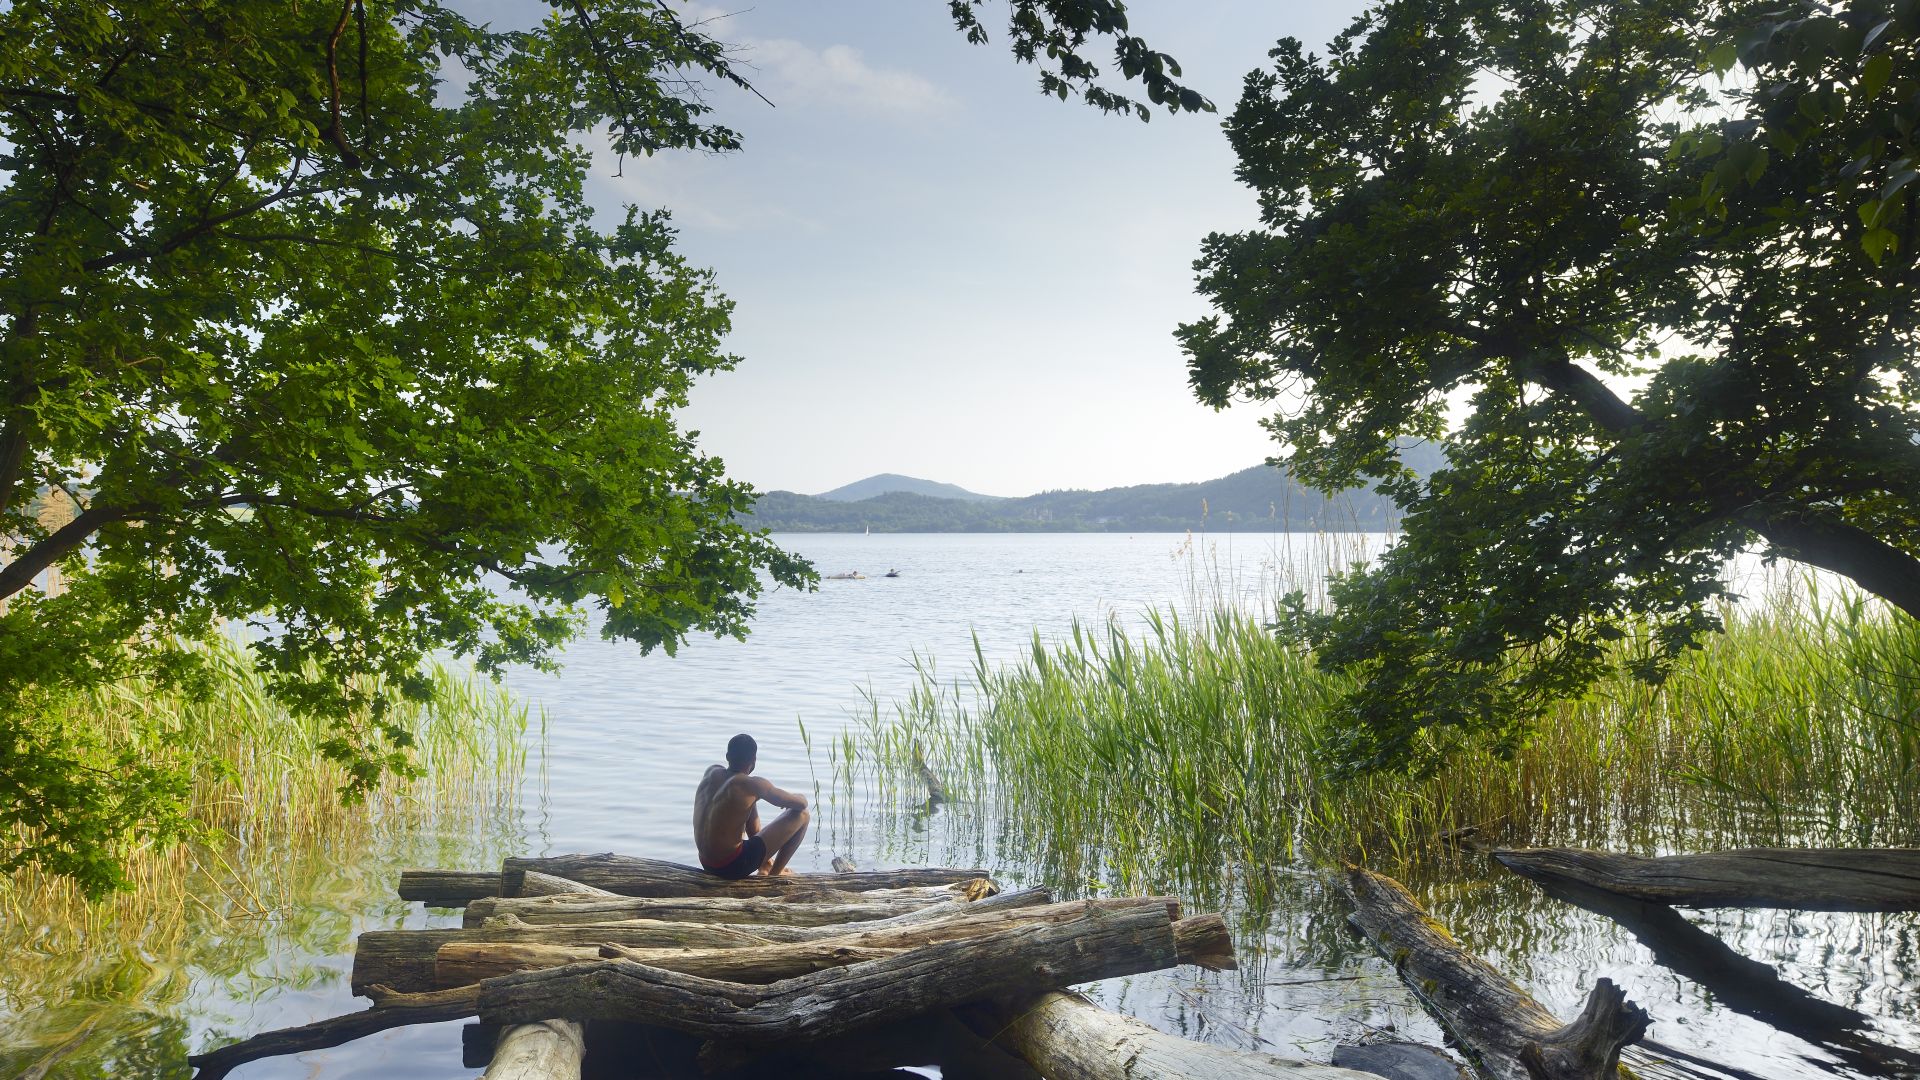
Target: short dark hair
point(741, 750)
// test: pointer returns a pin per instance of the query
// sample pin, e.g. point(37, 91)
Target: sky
point(938, 271)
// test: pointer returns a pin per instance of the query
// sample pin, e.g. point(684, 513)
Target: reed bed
point(257, 898)
point(1186, 753)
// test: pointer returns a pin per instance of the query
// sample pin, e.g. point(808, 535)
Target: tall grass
point(1187, 753)
point(266, 887)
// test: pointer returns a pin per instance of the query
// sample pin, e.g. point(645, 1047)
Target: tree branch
point(20, 573)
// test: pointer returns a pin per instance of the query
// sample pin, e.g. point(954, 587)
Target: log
point(1807, 879)
point(843, 865)
point(448, 888)
point(1740, 983)
point(1022, 958)
point(460, 963)
point(1494, 1021)
point(390, 1010)
point(548, 1050)
point(535, 883)
point(1066, 1037)
point(630, 876)
point(403, 959)
point(1202, 941)
point(573, 908)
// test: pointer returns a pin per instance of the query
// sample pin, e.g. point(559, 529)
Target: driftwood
point(548, 1050)
point(449, 888)
point(463, 962)
point(1818, 879)
point(390, 1010)
point(1495, 1021)
point(1022, 958)
point(1739, 983)
point(574, 908)
point(1202, 941)
point(535, 883)
point(630, 876)
point(1067, 1037)
point(403, 959)
point(843, 865)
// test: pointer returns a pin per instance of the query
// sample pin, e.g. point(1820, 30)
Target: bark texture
point(464, 962)
point(1021, 959)
point(1826, 879)
point(548, 1050)
point(403, 959)
point(573, 908)
point(1067, 1037)
point(630, 876)
point(1490, 1017)
point(448, 888)
point(535, 883)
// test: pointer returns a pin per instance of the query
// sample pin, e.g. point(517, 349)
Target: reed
point(1188, 753)
point(265, 890)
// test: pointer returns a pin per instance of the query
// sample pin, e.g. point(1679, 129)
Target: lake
point(625, 738)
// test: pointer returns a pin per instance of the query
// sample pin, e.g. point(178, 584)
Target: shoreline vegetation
point(254, 898)
point(1799, 725)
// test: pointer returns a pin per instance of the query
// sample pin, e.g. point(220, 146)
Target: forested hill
point(1259, 499)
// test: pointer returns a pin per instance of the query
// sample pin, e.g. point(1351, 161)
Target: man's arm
point(785, 800)
point(753, 820)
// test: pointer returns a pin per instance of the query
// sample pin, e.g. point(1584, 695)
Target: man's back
point(721, 806)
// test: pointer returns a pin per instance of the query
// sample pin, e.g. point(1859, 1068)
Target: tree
point(305, 322)
point(1649, 267)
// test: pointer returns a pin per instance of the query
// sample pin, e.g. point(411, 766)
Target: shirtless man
point(726, 817)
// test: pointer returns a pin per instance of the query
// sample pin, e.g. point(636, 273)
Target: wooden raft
point(756, 965)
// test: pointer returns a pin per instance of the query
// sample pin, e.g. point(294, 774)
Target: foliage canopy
point(305, 322)
point(1648, 266)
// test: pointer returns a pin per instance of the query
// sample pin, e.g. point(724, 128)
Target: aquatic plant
point(1191, 753)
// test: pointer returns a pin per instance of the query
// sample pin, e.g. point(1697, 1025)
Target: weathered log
point(630, 876)
point(1498, 1024)
point(462, 962)
point(1807, 879)
point(1066, 1037)
point(572, 908)
point(390, 1010)
point(1740, 983)
point(535, 883)
point(1022, 958)
point(403, 959)
point(548, 1050)
point(448, 888)
point(843, 865)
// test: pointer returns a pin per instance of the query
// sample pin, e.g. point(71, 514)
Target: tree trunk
point(1067, 1037)
point(403, 959)
point(630, 876)
point(781, 932)
point(461, 963)
point(1498, 1024)
point(1742, 984)
point(448, 888)
point(569, 909)
point(548, 1050)
point(1834, 879)
point(1021, 959)
point(390, 1010)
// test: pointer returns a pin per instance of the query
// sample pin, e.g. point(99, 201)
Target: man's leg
point(783, 835)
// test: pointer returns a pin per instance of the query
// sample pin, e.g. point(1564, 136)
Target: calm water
point(627, 737)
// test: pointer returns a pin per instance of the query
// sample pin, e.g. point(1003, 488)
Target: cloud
point(794, 73)
point(837, 76)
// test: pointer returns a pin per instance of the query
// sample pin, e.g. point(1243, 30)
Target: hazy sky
point(940, 272)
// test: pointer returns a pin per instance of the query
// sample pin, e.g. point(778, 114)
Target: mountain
point(1260, 499)
point(888, 483)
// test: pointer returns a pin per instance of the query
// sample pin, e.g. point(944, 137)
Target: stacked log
point(754, 965)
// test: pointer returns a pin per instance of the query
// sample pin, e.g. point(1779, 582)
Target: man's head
point(741, 752)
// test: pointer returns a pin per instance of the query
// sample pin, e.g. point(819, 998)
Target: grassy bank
point(263, 894)
point(1187, 754)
